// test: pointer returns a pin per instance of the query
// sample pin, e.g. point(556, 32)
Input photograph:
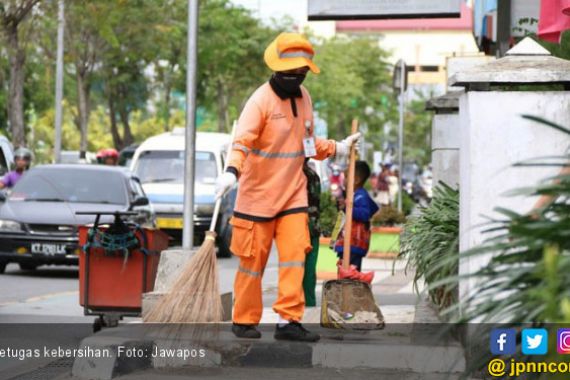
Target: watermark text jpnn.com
point(498, 367)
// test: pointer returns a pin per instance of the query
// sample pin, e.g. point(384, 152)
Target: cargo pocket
point(242, 237)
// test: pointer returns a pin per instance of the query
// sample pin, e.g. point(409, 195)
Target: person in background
point(363, 210)
point(23, 159)
point(108, 156)
point(314, 198)
point(382, 189)
point(393, 184)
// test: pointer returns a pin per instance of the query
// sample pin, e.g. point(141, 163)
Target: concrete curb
point(395, 348)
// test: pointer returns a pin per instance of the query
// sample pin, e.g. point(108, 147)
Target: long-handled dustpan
point(350, 304)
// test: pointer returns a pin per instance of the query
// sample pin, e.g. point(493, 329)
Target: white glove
point(224, 183)
point(343, 147)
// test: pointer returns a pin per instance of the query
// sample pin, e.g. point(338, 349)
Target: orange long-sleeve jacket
point(268, 155)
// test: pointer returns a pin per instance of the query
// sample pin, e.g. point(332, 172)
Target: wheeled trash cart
point(117, 264)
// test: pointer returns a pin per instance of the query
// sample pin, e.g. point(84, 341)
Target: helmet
point(23, 153)
point(108, 153)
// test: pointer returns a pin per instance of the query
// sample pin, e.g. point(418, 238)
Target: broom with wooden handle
point(195, 294)
point(349, 203)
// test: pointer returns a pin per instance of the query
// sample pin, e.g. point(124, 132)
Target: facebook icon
point(503, 341)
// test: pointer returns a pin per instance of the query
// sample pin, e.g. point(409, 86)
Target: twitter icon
point(534, 341)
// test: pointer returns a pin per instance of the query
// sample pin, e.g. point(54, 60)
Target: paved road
point(51, 293)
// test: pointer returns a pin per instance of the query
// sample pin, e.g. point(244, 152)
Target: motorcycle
point(337, 184)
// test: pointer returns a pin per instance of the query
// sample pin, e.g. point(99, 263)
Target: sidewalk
point(392, 288)
point(407, 346)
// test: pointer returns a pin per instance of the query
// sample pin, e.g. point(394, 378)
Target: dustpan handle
point(226, 164)
point(349, 200)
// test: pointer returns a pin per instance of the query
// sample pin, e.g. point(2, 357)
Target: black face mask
point(289, 82)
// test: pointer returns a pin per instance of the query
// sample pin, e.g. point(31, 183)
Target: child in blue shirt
point(363, 209)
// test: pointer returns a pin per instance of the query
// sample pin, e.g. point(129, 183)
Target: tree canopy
point(125, 65)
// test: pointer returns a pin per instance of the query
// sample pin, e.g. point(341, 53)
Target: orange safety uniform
point(271, 202)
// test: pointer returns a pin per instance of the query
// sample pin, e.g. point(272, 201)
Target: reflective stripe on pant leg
point(248, 305)
point(293, 242)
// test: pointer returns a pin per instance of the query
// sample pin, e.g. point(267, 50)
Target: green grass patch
point(379, 243)
point(327, 259)
point(385, 243)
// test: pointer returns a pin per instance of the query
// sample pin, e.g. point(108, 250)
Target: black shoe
point(245, 331)
point(295, 331)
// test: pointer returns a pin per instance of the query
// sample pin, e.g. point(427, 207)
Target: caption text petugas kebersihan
point(55, 352)
point(89, 352)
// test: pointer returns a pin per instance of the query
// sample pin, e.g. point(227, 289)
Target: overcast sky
point(267, 9)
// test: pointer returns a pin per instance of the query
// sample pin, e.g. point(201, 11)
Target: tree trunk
point(167, 107)
point(16, 92)
point(127, 135)
point(117, 140)
point(223, 116)
point(83, 110)
point(167, 89)
point(341, 129)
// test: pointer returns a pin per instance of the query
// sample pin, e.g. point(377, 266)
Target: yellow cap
point(290, 51)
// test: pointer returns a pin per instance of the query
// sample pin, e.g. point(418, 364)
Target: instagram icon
point(563, 344)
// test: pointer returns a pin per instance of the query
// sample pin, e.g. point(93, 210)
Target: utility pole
point(400, 83)
point(190, 143)
point(401, 132)
point(59, 82)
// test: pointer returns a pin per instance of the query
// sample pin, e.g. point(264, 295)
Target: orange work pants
point(252, 241)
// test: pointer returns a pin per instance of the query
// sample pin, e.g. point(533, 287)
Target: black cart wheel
point(110, 320)
point(3, 267)
point(97, 324)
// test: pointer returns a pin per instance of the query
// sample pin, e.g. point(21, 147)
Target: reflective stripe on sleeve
point(278, 154)
point(243, 148)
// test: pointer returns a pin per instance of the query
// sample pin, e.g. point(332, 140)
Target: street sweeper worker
point(273, 137)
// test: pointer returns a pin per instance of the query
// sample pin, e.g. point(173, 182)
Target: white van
point(6, 155)
point(159, 164)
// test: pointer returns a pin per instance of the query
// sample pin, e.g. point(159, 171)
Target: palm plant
point(431, 238)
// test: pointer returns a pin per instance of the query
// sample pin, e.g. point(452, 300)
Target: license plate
point(172, 223)
point(48, 249)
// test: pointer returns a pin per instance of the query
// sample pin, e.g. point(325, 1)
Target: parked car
point(38, 224)
point(6, 155)
point(126, 155)
point(159, 163)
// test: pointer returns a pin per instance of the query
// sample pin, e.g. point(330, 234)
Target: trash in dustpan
point(350, 304)
point(347, 302)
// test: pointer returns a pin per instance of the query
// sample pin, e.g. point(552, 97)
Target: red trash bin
point(111, 283)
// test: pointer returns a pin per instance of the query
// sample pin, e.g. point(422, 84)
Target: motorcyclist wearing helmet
point(23, 159)
point(108, 156)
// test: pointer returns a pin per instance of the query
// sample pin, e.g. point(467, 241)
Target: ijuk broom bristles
point(195, 295)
